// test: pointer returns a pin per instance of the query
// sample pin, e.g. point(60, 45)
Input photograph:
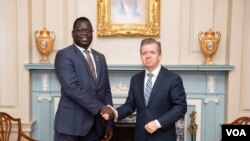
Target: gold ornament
point(44, 43)
point(209, 44)
point(193, 127)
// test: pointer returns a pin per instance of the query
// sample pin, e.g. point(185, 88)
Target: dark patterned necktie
point(90, 62)
point(148, 88)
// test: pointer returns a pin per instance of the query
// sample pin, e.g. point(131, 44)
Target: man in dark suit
point(85, 89)
point(157, 95)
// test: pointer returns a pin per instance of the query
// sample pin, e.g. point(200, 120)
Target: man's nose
point(148, 55)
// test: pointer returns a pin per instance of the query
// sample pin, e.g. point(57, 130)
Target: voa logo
point(236, 132)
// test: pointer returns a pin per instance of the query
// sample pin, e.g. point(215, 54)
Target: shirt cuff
point(116, 113)
point(158, 123)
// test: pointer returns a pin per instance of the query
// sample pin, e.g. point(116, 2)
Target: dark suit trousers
point(91, 136)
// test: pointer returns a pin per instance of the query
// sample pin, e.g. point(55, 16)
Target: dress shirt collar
point(82, 49)
point(155, 72)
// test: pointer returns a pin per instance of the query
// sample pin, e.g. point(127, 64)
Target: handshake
point(108, 112)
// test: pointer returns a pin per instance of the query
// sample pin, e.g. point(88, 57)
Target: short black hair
point(81, 19)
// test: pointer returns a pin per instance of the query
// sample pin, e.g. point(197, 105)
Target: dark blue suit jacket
point(81, 96)
point(167, 104)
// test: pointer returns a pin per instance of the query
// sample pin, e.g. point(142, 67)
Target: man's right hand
point(107, 111)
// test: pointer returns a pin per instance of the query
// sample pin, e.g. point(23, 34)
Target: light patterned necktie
point(148, 88)
point(91, 64)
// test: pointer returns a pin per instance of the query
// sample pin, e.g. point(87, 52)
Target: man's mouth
point(84, 38)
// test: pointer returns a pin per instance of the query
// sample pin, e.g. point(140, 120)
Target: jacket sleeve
point(67, 76)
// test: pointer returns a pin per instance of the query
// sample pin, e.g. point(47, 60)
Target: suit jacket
point(167, 104)
point(81, 95)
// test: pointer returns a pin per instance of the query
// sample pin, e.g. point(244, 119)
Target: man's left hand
point(151, 127)
point(109, 131)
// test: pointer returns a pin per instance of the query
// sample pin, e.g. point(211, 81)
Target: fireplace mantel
point(226, 68)
point(205, 86)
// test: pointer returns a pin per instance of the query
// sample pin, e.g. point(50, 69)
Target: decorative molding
point(28, 127)
point(211, 84)
point(37, 66)
point(45, 81)
point(209, 99)
point(119, 88)
point(44, 97)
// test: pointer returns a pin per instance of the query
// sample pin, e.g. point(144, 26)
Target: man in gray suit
point(157, 94)
point(85, 89)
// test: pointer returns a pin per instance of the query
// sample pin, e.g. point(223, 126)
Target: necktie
point(148, 88)
point(91, 64)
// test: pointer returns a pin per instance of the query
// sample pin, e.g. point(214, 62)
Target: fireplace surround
point(205, 86)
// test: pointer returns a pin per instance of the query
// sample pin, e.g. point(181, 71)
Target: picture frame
point(142, 18)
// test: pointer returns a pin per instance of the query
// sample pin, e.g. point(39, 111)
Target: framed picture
point(128, 18)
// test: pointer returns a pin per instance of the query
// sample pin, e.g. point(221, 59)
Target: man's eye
point(152, 52)
point(83, 30)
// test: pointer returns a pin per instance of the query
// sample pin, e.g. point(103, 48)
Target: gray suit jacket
point(81, 96)
point(167, 104)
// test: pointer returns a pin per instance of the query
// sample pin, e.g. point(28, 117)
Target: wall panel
point(197, 16)
point(8, 54)
point(245, 74)
point(55, 13)
point(14, 52)
point(238, 88)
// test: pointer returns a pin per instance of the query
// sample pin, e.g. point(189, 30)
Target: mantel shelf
point(38, 66)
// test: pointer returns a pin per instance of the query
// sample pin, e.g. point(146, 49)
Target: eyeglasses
point(88, 31)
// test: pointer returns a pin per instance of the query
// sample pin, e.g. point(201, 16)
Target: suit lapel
point(158, 82)
point(81, 56)
point(141, 87)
